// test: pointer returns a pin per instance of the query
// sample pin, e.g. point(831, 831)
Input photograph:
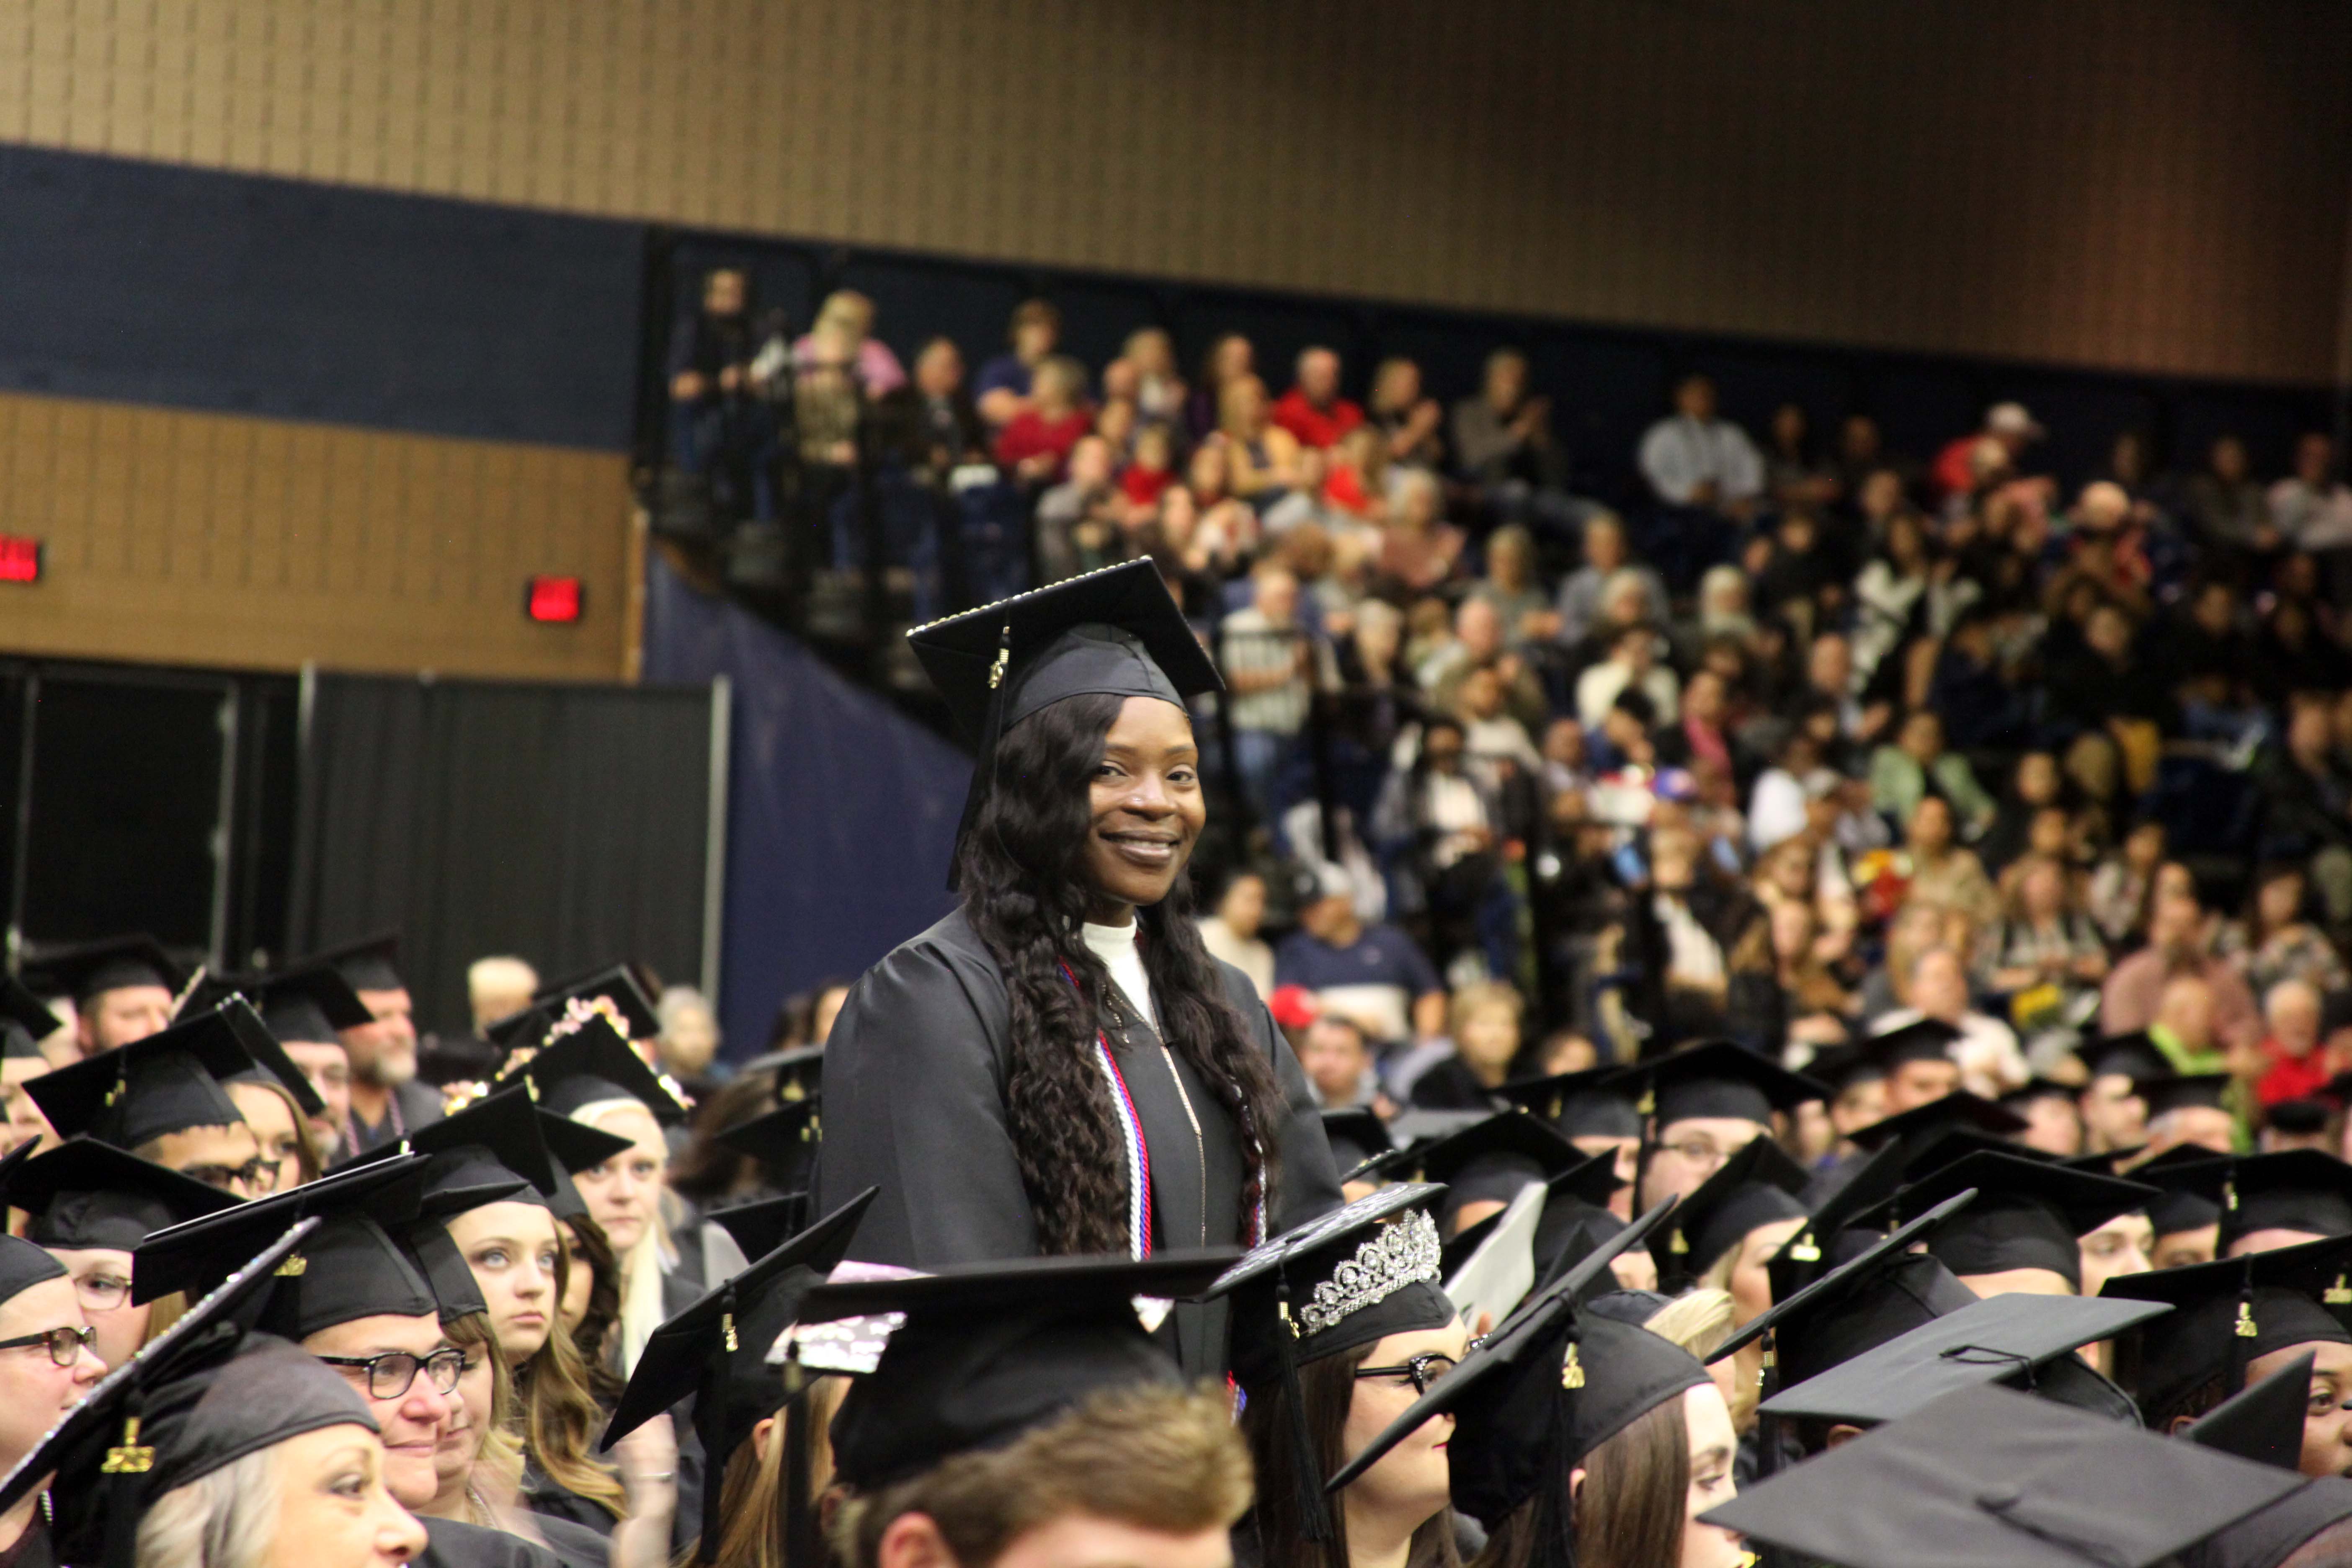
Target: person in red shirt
point(1037, 441)
point(1313, 409)
point(1148, 476)
point(1953, 472)
point(2296, 1069)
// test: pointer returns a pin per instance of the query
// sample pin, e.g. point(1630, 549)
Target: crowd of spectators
point(1812, 739)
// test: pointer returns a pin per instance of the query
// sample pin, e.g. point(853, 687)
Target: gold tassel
point(1571, 1370)
point(2245, 1326)
point(131, 1458)
point(2338, 1294)
point(727, 1326)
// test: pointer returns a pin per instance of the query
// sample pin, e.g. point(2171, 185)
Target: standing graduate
point(1059, 1066)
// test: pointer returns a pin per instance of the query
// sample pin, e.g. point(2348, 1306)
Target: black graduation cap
point(2038, 1088)
point(270, 1062)
point(24, 1021)
point(442, 1267)
point(1576, 1199)
point(528, 1027)
point(2028, 1214)
point(763, 1225)
point(2181, 1091)
point(1831, 1238)
point(2263, 1421)
point(2009, 1340)
point(168, 1082)
point(2132, 1055)
point(21, 1262)
point(1920, 1040)
point(495, 1142)
point(2232, 1311)
point(590, 1064)
point(2304, 1190)
point(1356, 1135)
point(1490, 1161)
point(2190, 1182)
point(371, 964)
point(1987, 1475)
point(1757, 1186)
point(112, 963)
point(615, 984)
point(1719, 1078)
point(1546, 1387)
point(784, 1140)
point(715, 1350)
point(575, 1146)
point(200, 1395)
point(1957, 1111)
point(1346, 1279)
point(1115, 632)
point(194, 1256)
point(800, 1072)
point(2269, 1538)
point(988, 1350)
point(84, 1192)
point(1596, 1102)
point(2298, 1118)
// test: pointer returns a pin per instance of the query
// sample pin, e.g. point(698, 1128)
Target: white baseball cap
point(2013, 419)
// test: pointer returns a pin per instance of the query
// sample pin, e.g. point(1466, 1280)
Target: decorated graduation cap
point(2028, 1214)
point(1597, 1102)
point(1987, 1475)
point(1757, 1186)
point(203, 1394)
point(1345, 1279)
point(2019, 1340)
point(1719, 1078)
point(25, 1022)
point(2230, 1313)
point(589, 1061)
point(113, 964)
point(166, 1083)
point(1356, 1135)
point(1549, 1385)
point(991, 1351)
point(716, 1352)
point(1115, 632)
point(615, 984)
point(371, 964)
point(86, 1194)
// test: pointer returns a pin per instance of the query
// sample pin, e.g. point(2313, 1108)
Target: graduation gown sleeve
point(450, 1544)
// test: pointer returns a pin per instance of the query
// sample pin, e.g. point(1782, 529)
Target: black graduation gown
point(574, 1545)
point(914, 1104)
point(451, 1544)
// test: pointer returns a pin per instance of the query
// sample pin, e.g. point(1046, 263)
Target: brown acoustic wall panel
point(212, 539)
point(2157, 184)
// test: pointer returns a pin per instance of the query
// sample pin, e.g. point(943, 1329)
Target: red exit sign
point(555, 600)
point(20, 559)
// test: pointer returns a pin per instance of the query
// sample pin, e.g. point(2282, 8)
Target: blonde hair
point(642, 1266)
point(751, 1531)
point(225, 1519)
point(498, 1451)
point(1699, 1322)
point(1484, 994)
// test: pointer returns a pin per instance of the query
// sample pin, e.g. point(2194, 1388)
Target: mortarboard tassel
point(802, 1549)
point(125, 1470)
point(1313, 1522)
point(2242, 1333)
point(1555, 1537)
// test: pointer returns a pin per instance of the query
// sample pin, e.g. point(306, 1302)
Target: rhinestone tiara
point(1398, 1254)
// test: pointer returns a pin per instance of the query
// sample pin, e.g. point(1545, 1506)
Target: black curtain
point(568, 824)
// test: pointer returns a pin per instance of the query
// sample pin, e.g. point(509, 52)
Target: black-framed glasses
point(389, 1374)
point(101, 1292)
point(257, 1175)
point(1424, 1370)
point(65, 1345)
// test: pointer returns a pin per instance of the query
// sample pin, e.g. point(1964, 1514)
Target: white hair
point(677, 999)
point(503, 973)
point(224, 1520)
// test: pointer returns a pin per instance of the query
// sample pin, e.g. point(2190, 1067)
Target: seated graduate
point(88, 1204)
point(2023, 1231)
point(1059, 1066)
point(285, 1098)
point(46, 1369)
point(1579, 1439)
point(217, 1447)
point(121, 988)
point(1338, 1326)
point(1596, 1109)
point(162, 1098)
point(2265, 1424)
point(1022, 1413)
point(1705, 1103)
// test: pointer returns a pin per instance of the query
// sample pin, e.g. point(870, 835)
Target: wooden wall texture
point(207, 539)
point(2147, 185)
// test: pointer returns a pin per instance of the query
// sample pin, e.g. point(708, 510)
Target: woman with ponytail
point(1059, 1066)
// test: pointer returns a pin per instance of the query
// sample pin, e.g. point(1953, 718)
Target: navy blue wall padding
point(148, 283)
point(915, 301)
point(841, 811)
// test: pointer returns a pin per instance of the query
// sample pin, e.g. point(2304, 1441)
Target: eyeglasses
point(101, 1292)
point(257, 1175)
point(1698, 1152)
point(65, 1345)
point(1424, 1370)
point(389, 1374)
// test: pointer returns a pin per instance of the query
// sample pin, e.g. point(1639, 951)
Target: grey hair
point(224, 1520)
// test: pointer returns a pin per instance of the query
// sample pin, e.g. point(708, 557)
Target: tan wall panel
point(217, 540)
point(2160, 184)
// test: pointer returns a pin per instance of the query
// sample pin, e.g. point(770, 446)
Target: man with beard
point(123, 988)
point(387, 1103)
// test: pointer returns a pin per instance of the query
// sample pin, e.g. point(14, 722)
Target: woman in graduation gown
point(1059, 1066)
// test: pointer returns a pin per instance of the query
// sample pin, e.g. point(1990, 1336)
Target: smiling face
point(511, 1248)
point(34, 1389)
point(1409, 1483)
point(1147, 808)
point(411, 1424)
point(622, 1191)
point(333, 1508)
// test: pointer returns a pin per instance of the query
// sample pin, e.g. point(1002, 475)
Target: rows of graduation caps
point(1945, 1347)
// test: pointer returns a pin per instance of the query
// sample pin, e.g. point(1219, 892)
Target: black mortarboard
point(590, 1064)
point(1350, 1277)
point(2303, 1190)
point(2229, 1312)
point(615, 984)
point(2181, 1091)
point(87, 969)
point(2269, 1538)
point(371, 964)
point(270, 1062)
point(194, 1256)
point(528, 1027)
point(988, 1352)
point(1597, 1102)
point(444, 1268)
point(1488, 1161)
point(1830, 1238)
point(575, 1146)
point(2132, 1055)
point(84, 1192)
point(715, 1350)
point(2009, 1340)
point(2298, 1118)
point(1757, 1185)
point(800, 1072)
point(1115, 632)
point(2263, 1421)
point(784, 1140)
point(2188, 1181)
point(166, 1083)
point(1719, 1077)
point(2028, 1214)
point(1576, 1199)
point(1920, 1040)
point(309, 1005)
point(763, 1225)
point(495, 1142)
point(24, 1264)
point(1355, 1134)
point(1986, 1475)
point(24, 1022)
point(200, 1397)
point(2039, 1088)
point(1960, 1110)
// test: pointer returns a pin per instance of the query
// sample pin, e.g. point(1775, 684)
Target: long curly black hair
point(1021, 872)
